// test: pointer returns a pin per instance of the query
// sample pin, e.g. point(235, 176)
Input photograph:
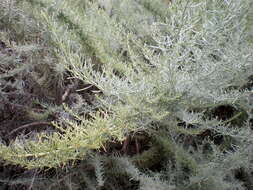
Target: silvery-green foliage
point(146, 181)
point(99, 171)
point(159, 67)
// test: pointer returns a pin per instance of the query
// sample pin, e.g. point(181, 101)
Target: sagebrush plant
point(165, 69)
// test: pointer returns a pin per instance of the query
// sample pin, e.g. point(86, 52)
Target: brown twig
point(18, 94)
point(137, 146)
point(125, 145)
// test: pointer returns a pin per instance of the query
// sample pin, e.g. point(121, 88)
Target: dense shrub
point(133, 94)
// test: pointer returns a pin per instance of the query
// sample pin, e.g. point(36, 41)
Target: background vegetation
point(133, 94)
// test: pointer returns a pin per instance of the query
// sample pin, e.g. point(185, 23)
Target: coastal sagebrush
point(174, 78)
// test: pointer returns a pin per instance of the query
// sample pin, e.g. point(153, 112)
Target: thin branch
point(29, 125)
point(12, 106)
point(31, 185)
